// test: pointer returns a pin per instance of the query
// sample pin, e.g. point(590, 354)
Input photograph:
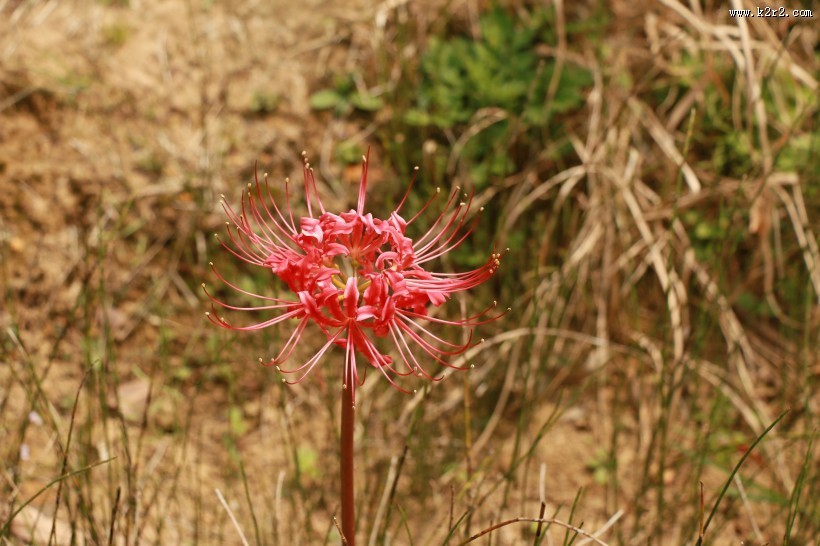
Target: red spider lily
point(357, 277)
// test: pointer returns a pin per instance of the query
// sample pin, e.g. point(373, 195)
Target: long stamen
point(409, 187)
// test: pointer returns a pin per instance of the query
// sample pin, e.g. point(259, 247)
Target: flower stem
point(346, 467)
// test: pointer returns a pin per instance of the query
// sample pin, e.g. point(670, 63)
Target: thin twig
point(702, 512)
point(540, 522)
point(542, 491)
point(552, 521)
point(748, 507)
point(233, 518)
point(339, 528)
point(452, 505)
point(380, 511)
point(114, 517)
point(52, 534)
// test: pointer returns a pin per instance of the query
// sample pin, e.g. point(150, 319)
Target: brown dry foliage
point(120, 125)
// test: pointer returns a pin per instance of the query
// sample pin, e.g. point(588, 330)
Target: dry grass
point(665, 294)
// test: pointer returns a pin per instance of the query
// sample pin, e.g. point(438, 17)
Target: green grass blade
point(735, 471)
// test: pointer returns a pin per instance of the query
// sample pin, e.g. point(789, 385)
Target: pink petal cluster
point(355, 276)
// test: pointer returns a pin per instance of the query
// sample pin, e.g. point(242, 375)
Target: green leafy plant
point(502, 84)
point(345, 96)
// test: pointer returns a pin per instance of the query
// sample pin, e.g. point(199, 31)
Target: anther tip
point(211, 264)
point(416, 168)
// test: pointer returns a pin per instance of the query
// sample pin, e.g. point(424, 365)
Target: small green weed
point(345, 96)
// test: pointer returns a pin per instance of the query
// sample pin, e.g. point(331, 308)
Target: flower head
point(358, 278)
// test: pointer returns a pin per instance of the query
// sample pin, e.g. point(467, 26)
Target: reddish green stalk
point(346, 467)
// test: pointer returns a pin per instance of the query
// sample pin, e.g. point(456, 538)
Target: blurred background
point(651, 165)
